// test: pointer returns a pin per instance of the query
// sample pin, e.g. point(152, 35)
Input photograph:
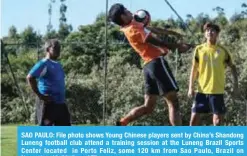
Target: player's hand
point(163, 51)
point(191, 93)
point(45, 98)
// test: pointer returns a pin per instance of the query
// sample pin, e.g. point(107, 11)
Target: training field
point(8, 140)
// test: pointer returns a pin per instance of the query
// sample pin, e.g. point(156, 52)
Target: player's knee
point(172, 100)
point(148, 109)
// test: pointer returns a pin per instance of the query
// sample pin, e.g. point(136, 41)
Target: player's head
point(119, 15)
point(211, 31)
point(52, 48)
point(142, 16)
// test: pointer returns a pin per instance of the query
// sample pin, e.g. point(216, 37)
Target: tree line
point(82, 58)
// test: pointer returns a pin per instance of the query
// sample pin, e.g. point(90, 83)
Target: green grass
point(8, 140)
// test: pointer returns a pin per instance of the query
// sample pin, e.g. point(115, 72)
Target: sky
point(22, 13)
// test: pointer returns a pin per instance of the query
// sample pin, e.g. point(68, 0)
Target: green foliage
point(82, 57)
point(84, 109)
point(13, 32)
point(29, 37)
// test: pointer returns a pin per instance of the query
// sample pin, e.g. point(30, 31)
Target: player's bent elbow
point(29, 78)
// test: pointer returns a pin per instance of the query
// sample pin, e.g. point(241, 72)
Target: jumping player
point(159, 79)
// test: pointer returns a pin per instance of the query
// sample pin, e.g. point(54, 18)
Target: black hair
point(212, 26)
point(115, 13)
point(52, 43)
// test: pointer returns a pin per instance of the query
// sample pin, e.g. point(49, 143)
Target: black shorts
point(209, 103)
point(54, 114)
point(159, 79)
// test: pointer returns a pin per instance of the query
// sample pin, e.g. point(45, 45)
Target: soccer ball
point(142, 16)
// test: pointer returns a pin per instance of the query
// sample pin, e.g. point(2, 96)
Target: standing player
point(158, 76)
point(209, 62)
point(50, 87)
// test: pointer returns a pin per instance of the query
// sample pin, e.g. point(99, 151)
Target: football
point(142, 16)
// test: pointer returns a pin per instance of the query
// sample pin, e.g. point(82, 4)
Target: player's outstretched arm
point(160, 31)
point(155, 40)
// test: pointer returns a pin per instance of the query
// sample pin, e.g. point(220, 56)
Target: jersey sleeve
point(195, 56)
point(139, 34)
point(38, 70)
point(228, 58)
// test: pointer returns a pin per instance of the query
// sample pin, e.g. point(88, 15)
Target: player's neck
point(49, 58)
point(211, 42)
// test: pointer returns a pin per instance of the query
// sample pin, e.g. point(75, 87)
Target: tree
point(51, 34)
point(63, 9)
point(220, 19)
point(219, 10)
point(64, 28)
point(244, 5)
point(49, 26)
point(189, 18)
point(236, 17)
point(201, 19)
point(13, 32)
point(244, 12)
point(29, 37)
